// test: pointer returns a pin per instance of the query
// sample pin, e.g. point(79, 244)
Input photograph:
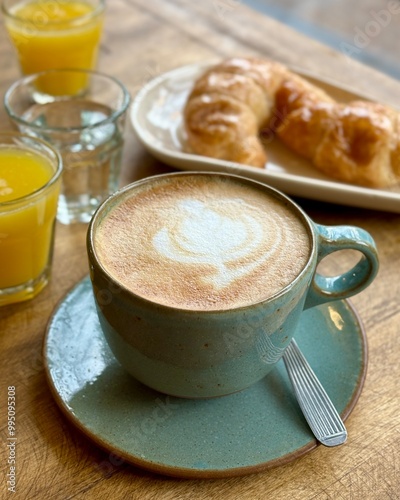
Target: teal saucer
point(256, 429)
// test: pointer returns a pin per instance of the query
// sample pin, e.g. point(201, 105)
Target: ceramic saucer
point(246, 432)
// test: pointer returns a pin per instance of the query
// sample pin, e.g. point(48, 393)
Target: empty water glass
point(86, 128)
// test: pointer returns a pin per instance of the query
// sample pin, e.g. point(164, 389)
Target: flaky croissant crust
point(236, 100)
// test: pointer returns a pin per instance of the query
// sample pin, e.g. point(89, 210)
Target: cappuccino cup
point(200, 279)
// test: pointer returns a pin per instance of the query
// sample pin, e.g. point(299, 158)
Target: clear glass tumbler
point(86, 128)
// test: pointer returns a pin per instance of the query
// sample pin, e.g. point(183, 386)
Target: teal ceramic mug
point(200, 279)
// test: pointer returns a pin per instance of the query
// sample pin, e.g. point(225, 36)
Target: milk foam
point(202, 234)
point(202, 242)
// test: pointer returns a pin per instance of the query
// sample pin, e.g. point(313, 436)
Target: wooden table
point(143, 39)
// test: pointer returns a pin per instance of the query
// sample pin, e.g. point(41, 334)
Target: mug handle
point(331, 239)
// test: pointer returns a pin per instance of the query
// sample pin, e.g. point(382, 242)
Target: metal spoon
point(321, 415)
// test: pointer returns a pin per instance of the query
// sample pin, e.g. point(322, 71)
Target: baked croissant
point(228, 106)
point(236, 100)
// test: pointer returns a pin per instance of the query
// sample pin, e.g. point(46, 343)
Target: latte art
point(203, 234)
point(202, 242)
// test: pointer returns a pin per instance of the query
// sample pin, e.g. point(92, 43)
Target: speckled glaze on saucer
point(252, 430)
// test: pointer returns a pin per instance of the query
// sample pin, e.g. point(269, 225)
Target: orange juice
point(28, 205)
point(56, 34)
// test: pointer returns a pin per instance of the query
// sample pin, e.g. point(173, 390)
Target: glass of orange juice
point(50, 34)
point(30, 175)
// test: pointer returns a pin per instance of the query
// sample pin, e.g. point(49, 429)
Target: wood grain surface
point(142, 39)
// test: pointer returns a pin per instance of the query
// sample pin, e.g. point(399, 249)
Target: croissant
point(236, 101)
point(228, 106)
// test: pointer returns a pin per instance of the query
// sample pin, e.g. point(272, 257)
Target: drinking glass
point(30, 175)
point(87, 129)
point(55, 34)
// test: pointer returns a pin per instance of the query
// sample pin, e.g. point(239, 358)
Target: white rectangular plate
point(156, 117)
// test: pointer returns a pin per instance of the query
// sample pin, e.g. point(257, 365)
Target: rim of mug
point(54, 178)
point(78, 21)
point(109, 202)
point(26, 80)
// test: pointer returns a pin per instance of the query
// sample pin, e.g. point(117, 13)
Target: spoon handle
point(321, 415)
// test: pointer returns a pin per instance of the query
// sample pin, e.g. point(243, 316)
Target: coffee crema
point(202, 242)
